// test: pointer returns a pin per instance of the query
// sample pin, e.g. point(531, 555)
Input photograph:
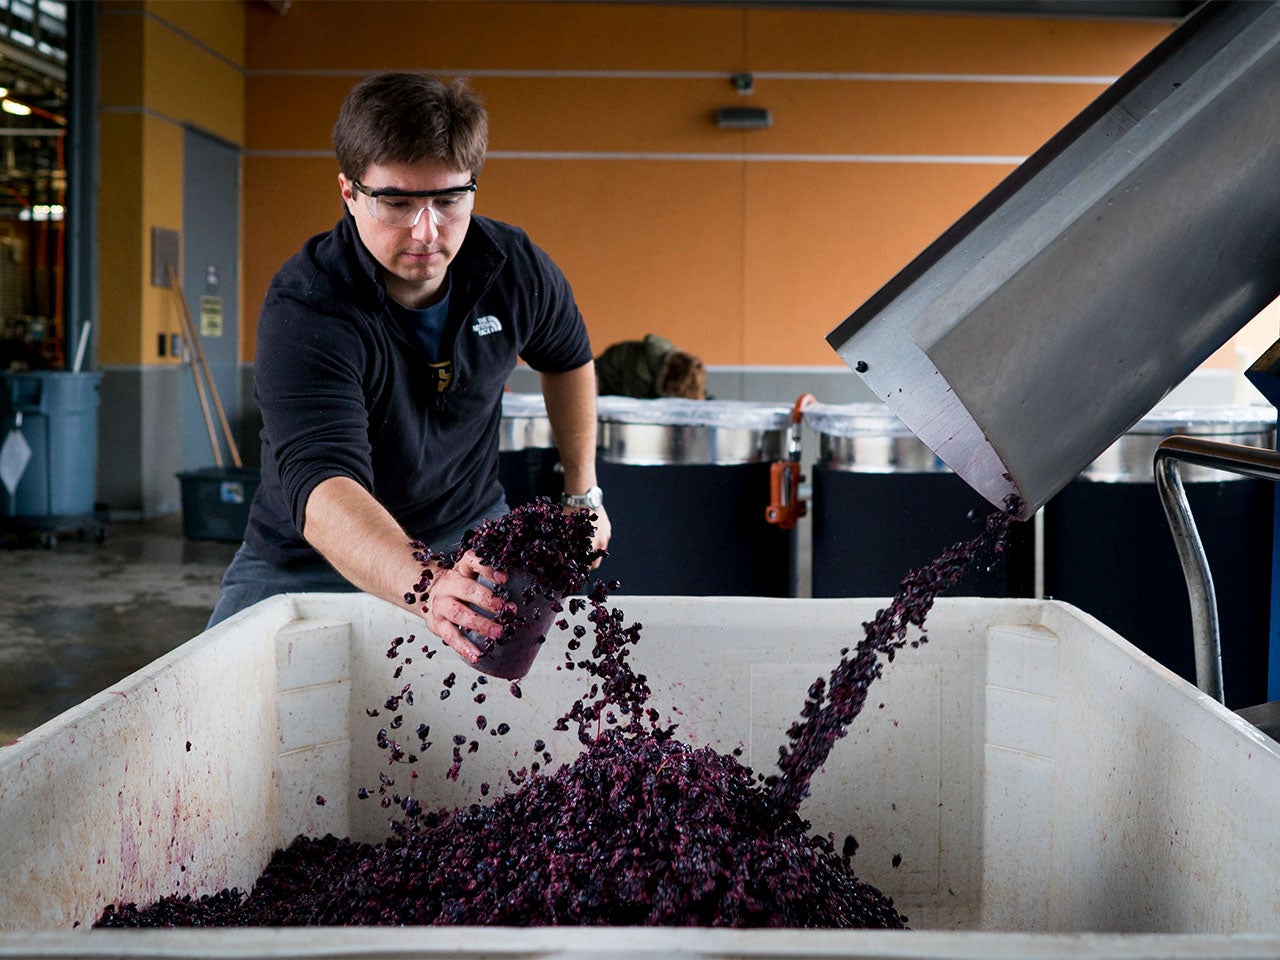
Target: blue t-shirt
point(425, 326)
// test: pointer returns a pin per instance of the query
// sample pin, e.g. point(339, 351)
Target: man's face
point(413, 258)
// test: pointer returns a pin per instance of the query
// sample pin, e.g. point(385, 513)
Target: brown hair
point(681, 375)
point(410, 117)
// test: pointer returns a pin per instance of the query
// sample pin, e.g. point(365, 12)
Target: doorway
point(210, 260)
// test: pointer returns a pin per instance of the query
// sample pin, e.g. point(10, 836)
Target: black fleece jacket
point(344, 392)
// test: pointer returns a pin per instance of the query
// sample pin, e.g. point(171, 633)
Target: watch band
point(593, 499)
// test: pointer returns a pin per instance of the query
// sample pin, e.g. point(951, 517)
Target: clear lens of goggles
point(396, 211)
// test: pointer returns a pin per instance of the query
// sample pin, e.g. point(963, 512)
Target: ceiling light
point(4, 92)
point(17, 109)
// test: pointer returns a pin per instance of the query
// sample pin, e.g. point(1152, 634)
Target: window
point(33, 183)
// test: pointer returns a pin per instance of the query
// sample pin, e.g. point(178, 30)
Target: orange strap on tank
point(785, 504)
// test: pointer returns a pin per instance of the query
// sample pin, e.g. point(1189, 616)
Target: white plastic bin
point(1051, 791)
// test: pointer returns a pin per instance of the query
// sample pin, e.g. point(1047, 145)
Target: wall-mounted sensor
point(743, 118)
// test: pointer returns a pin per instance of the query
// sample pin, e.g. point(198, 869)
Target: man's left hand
point(604, 530)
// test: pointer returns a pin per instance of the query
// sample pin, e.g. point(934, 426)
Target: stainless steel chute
point(1099, 274)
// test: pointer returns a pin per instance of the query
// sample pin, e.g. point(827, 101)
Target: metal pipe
point(1233, 458)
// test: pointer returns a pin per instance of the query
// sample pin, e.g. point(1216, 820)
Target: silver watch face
point(593, 498)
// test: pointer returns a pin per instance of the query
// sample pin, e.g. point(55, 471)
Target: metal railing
point(1233, 458)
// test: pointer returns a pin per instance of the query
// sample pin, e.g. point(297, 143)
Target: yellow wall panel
point(293, 112)
point(656, 115)
point(751, 258)
point(939, 119)
point(669, 115)
point(285, 202)
point(141, 189)
point(472, 35)
point(806, 271)
point(218, 24)
point(663, 266)
point(824, 40)
point(469, 35)
point(186, 83)
point(648, 247)
point(162, 147)
point(121, 241)
point(163, 65)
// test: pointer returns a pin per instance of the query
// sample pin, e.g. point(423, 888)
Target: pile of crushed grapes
point(639, 829)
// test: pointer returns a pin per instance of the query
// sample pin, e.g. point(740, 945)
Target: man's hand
point(571, 408)
point(604, 531)
point(447, 613)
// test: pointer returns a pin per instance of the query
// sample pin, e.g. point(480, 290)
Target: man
point(383, 348)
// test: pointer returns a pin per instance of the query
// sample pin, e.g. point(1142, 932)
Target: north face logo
point(486, 325)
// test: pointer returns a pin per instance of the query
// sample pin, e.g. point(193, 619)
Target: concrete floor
point(80, 615)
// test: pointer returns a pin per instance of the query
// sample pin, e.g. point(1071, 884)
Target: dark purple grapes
point(640, 829)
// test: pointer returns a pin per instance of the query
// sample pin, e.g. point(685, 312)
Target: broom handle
point(204, 403)
point(194, 336)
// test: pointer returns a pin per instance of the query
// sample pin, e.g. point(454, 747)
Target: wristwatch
point(593, 499)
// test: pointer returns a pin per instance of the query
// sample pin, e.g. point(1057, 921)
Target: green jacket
point(630, 368)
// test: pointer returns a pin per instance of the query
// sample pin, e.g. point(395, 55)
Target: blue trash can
point(56, 411)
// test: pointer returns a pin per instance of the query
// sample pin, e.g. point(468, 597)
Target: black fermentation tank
point(883, 504)
point(687, 486)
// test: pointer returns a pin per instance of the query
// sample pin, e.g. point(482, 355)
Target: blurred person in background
point(650, 368)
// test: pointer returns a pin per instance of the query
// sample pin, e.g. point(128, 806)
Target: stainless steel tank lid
point(1130, 459)
point(523, 405)
point(524, 424)
point(676, 411)
point(868, 438)
point(671, 431)
point(1208, 420)
point(854, 420)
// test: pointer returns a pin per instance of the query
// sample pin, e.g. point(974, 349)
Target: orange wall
point(747, 247)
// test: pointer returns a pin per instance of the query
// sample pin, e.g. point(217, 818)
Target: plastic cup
point(510, 657)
